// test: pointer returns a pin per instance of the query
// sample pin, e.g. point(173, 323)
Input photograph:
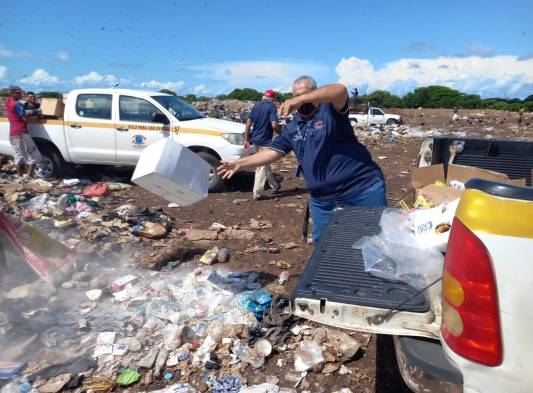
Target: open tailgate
point(335, 290)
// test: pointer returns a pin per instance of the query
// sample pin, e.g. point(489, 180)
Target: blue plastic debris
point(9, 369)
point(253, 286)
point(236, 282)
point(183, 356)
point(168, 376)
point(25, 387)
point(229, 384)
point(256, 302)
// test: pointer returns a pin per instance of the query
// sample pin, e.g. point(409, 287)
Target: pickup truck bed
point(514, 158)
point(335, 290)
point(336, 271)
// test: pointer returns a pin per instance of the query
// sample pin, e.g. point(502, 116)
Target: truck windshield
point(178, 108)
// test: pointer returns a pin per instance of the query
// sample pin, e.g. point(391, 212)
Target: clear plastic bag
point(395, 254)
point(308, 355)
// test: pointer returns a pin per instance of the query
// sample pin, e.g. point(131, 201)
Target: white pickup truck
point(113, 126)
point(374, 116)
point(473, 335)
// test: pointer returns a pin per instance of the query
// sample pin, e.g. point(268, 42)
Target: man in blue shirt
point(263, 120)
point(337, 169)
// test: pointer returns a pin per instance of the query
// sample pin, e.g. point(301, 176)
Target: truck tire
point(216, 183)
point(353, 122)
point(391, 122)
point(52, 164)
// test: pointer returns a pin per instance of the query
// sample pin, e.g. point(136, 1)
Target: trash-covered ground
point(143, 301)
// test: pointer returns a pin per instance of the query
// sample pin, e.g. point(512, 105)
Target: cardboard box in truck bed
point(426, 180)
point(52, 107)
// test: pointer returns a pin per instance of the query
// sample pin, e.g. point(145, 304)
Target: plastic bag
point(308, 355)
point(96, 190)
point(396, 255)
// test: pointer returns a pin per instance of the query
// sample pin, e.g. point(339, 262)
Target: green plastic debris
point(71, 199)
point(114, 186)
point(128, 377)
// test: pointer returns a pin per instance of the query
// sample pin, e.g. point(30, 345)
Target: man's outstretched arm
point(266, 156)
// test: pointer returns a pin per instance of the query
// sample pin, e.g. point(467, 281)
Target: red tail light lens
point(470, 312)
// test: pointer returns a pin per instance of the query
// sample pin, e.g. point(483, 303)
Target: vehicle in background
point(474, 334)
point(367, 115)
point(113, 126)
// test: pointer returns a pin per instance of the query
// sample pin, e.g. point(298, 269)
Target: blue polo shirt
point(262, 115)
point(333, 162)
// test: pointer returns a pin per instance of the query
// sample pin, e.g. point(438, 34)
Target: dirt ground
point(374, 370)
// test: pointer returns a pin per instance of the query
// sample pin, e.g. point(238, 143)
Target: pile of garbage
point(86, 217)
point(186, 328)
point(394, 132)
point(111, 322)
point(234, 110)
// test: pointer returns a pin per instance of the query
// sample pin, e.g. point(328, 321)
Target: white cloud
point(63, 55)
point(477, 49)
point(199, 89)
point(40, 77)
point(504, 76)
point(6, 53)
point(94, 78)
point(3, 72)
point(258, 74)
point(156, 85)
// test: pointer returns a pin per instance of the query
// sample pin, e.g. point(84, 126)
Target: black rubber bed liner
point(512, 157)
point(336, 272)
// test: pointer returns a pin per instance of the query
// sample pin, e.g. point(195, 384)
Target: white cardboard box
point(432, 226)
point(173, 172)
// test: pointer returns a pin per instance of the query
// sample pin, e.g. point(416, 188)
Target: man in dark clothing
point(31, 106)
point(337, 169)
point(263, 120)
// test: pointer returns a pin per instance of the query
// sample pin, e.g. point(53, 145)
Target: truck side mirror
point(160, 118)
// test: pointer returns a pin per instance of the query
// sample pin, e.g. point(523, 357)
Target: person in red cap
point(259, 130)
point(25, 151)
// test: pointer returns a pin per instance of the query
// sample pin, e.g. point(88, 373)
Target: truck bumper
point(231, 152)
point(424, 368)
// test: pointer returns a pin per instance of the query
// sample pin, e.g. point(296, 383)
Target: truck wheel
point(52, 164)
point(353, 122)
point(391, 122)
point(216, 183)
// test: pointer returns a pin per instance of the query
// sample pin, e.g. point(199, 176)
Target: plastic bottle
point(247, 355)
point(62, 201)
point(223, 255)
point(283, 277)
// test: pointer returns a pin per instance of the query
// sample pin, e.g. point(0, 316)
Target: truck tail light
point(470, 312)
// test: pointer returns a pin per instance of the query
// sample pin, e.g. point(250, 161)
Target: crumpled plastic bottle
point(247, 354)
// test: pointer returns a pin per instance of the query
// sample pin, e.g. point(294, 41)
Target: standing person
point(455, 115)
point(520, 116)
point(263, 120)
point(337, 169)
point(31, 106)
point(26, 153)
point(355, 94)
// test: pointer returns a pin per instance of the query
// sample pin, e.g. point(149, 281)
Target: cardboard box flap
point(438, 194)
point(425, 175)
point(517, 182)
point(464, 173)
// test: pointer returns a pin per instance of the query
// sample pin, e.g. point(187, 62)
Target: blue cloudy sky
point(210, 47)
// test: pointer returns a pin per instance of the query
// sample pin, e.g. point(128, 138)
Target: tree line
point(424, 97)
